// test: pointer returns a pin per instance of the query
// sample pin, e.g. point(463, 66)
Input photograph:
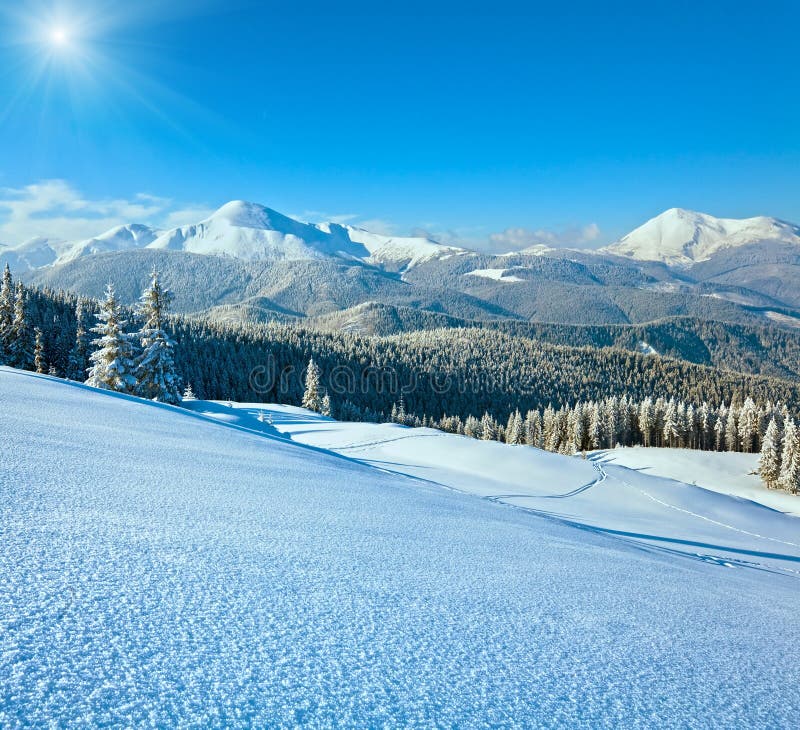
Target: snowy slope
point(251, 231)
point(121, 238)
point(494, 275)
point(727, 473)
point(596, 493)
point(681, 237)
point(159, 568)
point(32, 254)
point(401, 250)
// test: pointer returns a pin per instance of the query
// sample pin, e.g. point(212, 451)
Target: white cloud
point(55, 209)
point(186, 216)
point(514, 239)
point(378, 225)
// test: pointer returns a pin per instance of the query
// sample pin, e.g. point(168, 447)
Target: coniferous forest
point(479, 382)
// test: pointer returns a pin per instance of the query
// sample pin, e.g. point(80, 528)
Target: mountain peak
point(680, 237)
point(245, 215)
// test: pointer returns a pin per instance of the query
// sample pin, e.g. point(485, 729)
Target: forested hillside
point(458, 371)
point(753, 349)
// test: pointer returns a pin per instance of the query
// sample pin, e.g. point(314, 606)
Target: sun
point(59, 36)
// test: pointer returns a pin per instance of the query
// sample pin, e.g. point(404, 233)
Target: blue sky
point(494, 124)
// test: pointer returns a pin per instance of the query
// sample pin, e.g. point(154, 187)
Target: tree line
point(138, 362)
point(574, 399)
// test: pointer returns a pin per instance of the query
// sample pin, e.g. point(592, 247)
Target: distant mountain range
point(245, 231)
point(682, 237)
point(248, 262)
point(253, 232)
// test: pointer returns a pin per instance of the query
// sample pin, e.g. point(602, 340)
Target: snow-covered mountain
point(400, 250)
point(681, 237)
point(250, 231)
point(121, 238)
point(241, 230)
point(253, 232)
point(33, 254)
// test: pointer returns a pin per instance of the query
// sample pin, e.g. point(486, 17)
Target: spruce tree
point(79, 355)
point(112, 362)
point(731, 431)
point(311, 397)
point(769, 465)
point(38, 352)
point(21, 345)
point(188, 394)
point(6, 315)
point(155, 366)
point(325, 408)
point(789, 478)
point(488, 428)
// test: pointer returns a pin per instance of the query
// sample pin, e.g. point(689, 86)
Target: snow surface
point(681, 237)
point(161, 567)
point(242, 230)
point(408, 251)
point(32, 254)
point(121, 238)
point(645, 348)
point(727, 473)
point(494, 274)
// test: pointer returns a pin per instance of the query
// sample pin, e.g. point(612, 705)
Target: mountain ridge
point(249, 231)
point(680, 237)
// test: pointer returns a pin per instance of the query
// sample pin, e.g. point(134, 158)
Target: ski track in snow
point(160, 569)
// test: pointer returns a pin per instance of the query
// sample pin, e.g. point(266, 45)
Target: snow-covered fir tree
point(312, 398)
point(79, 354)
point(112, 363)
point(155, 366)
point(731, 431)
point(39, 363)
point(6, 315)
point(325, 408)
point(533, 428)
point(488, 428)
point(769, 464)
point(188, 393)
point(789, 477)
point(514, 429)
point(21, 344)
point(472, 427)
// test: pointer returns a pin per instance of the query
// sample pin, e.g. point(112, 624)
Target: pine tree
point(325, 408)
point(21, 346)
point(769, 465)
point(79, 355)
point(38, 352)
point(6, 315)
point(646, 420)
point(514, 432)
point(488, 428)
point(155, 367)
point(595, 434)
point(533, 428)
point(472, 427)
point(748, 426)
point(311, 397)
point(731, 431)
point(720, 428)
point(789, 478)
point(112, 362)
point(188, 394)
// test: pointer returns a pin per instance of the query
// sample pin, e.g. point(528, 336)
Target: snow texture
point(494, 274)
point(168, 568)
